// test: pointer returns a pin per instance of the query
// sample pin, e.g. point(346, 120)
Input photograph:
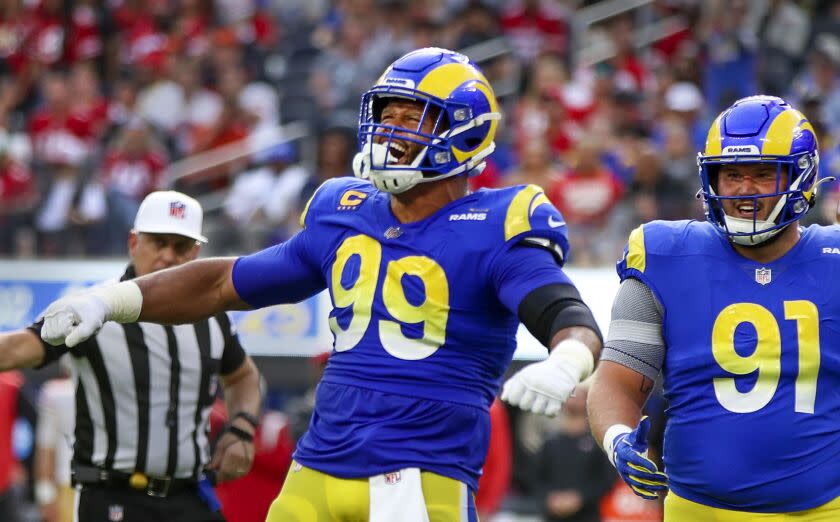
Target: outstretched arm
point(531, 283)
point(284, 273)
point(20, 349)
point(189, 292)
point(183, 294)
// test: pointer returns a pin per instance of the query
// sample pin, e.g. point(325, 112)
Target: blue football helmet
point(761, 129)
point(456, 93)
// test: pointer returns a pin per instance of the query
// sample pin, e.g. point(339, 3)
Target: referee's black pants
point(120, 504)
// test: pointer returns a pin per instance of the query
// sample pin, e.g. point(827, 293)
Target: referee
point(144, 392)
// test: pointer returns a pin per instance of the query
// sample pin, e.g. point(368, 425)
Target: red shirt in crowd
point(84, 40)
point(495, 478)
point(132, 175)
point(14, 32)
point(62, 139)
point(17, 187)
point(46, 42)
point(586, 199)
point(536, 30)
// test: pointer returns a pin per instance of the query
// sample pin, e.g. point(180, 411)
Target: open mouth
point(398, 150)
point(747, 209)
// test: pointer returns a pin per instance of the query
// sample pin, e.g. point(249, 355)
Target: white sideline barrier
point(27, 287)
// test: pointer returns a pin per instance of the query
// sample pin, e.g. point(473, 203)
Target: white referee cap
point(170, 212)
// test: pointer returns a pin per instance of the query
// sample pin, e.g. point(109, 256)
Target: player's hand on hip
point(629, 455)
point(540, 388)
point(72, 319)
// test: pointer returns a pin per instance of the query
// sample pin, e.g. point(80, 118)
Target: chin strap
point(396, 181)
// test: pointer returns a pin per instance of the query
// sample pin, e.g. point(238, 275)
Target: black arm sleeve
point(550, 308)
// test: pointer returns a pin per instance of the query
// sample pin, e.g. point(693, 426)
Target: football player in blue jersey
point(428, 283)
point(739, 315)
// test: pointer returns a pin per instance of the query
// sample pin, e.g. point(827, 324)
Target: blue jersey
point(752, 365)
point(424, 319)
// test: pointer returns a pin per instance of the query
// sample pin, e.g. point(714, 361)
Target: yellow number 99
point(433, 312)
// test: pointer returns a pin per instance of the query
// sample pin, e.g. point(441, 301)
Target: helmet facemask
point(796, 189)
point(380, 144)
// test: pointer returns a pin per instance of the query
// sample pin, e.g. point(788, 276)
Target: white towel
point(397, 496)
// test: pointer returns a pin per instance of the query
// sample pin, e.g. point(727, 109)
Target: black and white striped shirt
point(144, 393)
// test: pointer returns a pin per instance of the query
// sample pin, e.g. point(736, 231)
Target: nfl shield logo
point(177, 210)
point(393, 233)
point(115, 513)
point(392, 478)
point(763, 276)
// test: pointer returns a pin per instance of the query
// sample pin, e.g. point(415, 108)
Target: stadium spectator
point(536, 166)
point(495, 477)
point(263, 202)
point(144, 392)
point(18, 196)
point(10, 383)
point(54, 448)
point(534, 26)
point(130, 170)
point(540, 114)
point(573, 475)
point(585, 194)
point(729, 48)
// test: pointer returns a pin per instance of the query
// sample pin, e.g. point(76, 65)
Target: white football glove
point(543, 387)
point(73, 319)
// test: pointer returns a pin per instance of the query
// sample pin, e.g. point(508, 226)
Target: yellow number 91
point(433, 312)
point(766, 358)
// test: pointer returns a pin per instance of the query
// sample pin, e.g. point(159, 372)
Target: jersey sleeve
point(531, 219)
point(634, 260)
point(290, 272)
point(519, 270)
point(284, 273)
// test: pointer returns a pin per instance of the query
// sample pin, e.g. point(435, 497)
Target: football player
point(428, 284)
point(739, 314)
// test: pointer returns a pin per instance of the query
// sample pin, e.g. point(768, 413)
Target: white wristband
point(609, 439)
point(124, 301)
point(45, 492)
point(574, 353)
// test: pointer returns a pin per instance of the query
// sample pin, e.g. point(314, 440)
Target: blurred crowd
point(249, 104)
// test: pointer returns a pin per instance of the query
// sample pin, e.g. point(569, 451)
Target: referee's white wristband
point(45, 492)
point(609, 439)
point(124, 301)
point(573, 353)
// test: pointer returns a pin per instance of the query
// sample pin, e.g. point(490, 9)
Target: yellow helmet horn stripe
point(441, 81)
point(780, 135)
point(713, 142)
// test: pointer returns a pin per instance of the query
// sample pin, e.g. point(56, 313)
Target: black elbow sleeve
point(548, 309)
